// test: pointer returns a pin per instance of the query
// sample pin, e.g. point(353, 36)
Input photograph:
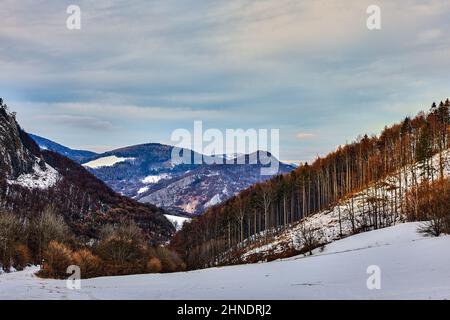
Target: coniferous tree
point(424, 150)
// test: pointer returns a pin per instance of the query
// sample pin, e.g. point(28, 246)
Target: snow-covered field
point(412, 267)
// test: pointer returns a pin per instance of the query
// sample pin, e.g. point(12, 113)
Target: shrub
point(433, 227)
point(123, 249)
point(309, 238)
point(90, 265)
point(170, 261)
point(429, 202)
point(154, 265)
point(21, 256)
point(168, 265)
point(119, 251)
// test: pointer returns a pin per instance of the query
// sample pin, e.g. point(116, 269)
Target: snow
point(177, 221)
point(402, 234)
point(328, 220)
point(213, 201)
point(213, 174)
point(38, 179)
point(155, 178)
point(412, 267)
point(105, 162)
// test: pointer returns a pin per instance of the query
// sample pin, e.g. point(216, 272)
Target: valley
point(225, 150)
point(338, 272)
point(377, 206)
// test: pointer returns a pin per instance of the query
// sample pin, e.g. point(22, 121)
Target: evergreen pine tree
point(424, 149)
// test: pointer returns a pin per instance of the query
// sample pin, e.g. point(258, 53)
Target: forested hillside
point(266, 209)
point(148, 174)
point(52, 208)
point(31, 180)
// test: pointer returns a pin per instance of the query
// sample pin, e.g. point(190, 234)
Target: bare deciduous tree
point(309, 237)
point(11, 230)
point(46, 227)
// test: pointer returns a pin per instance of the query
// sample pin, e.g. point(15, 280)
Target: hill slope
point(287, 240)
point(339, 272)
point(387, 166)
point(31, 180)
point(79, 156)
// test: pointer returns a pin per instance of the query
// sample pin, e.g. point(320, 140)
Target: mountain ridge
point(146, 173)
point(31, 179)
point(79, 156)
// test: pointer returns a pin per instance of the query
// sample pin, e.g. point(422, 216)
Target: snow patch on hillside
point(38, 179)
point(412, 267)
point(177, 221)
point(155, 178)
point(213, 201)
point(142, 190)
point(105, 162)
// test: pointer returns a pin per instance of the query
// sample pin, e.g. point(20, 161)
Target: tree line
point(403, 151)
point(46, 239)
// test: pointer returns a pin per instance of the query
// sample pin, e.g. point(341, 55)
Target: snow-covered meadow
point(105, 162)
point(412, 267)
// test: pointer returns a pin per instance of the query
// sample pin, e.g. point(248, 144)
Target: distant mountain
point(147, 173)
point(31, 179)
point(79, 156)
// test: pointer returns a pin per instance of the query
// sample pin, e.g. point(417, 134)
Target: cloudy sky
point(137, 70)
